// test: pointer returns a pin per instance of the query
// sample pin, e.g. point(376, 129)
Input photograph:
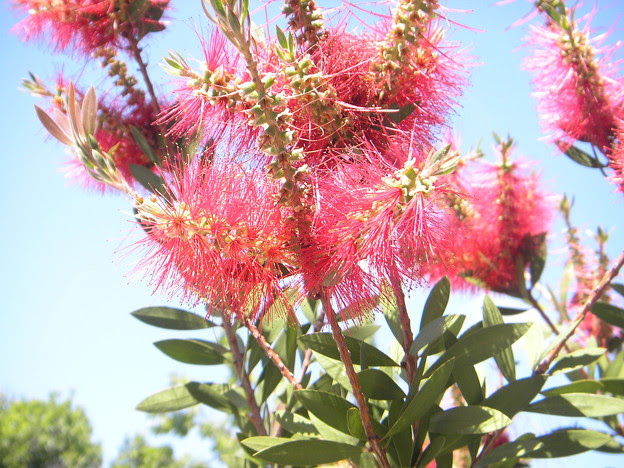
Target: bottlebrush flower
point(579, 93)
point(499, 226)
point(219, 236)
point(87, 25)
point(206, 103)
point(370, 227)
point(421, 96)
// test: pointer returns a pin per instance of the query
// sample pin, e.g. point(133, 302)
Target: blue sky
point(65, 283)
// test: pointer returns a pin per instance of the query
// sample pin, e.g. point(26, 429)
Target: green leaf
point(430, 394)
point(578, 405)
point(354, 423)
point(402, 113)
point(144, 145)
point(171, 399)
point(537, 256)
point(511, 310)
point(618, 287)
point(377, 385)
point(483, 344)
point(295, 423)
point(580, 386)
point(615, 369)
point(609, 313)
point(390, 311)
point(561, 443)
point(211, 394)
point(198, 352)
point(309, 308)
point(505, 359)
point(325, 344)
point(581, 157)
point(576, 360)
point(281, 38)
point(469, 383)
point(308, 452)
point(328, 407)
point(171, 319)
point(362, 332)
point(468, 420)
point(613, 385)
point(270, 379)
point(435, 329)
point(149, 180)
point(515, 396)
point(261, 442)
point(436, 302)
point(334, 369)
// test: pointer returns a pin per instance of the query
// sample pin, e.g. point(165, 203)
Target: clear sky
point(64, 282)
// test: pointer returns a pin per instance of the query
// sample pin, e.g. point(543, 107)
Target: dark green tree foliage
point(46, 433)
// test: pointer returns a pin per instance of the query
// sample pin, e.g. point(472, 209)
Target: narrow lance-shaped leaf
point(308, 452)
point(436, 302)
point(515, 396)
point(325, 344)
point(581, 157)
point(430, 394)
point(483, 344)
point(505, 359)
point(328, 407)
point(578, 405)
point(576, 360)
point(144, 145)
point(192, 351)
point(171, 318)
point(171, 399)
point(377, 385)
point(52, 127)
point(468, 420)
point(609, 313)
point(561, 443)
point(434, 330)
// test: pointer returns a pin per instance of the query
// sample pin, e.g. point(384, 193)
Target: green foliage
point(136, 453)
point(41, 434)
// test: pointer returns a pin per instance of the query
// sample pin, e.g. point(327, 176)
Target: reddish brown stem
point(536, 305)
point(255, 414)
point(591, 300)
point(345, 357)
point(408, 337)
point(136, 54)
point(272, 355)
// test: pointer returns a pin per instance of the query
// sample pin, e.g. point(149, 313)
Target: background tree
point(48, 433)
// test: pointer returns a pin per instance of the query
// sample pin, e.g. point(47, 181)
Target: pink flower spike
point(579, 91)
point(221, 239)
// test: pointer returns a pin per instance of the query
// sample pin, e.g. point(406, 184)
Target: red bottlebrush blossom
point(89, 24)
point(499, 223)
point(418, 102)
point(205, 103)
point(576, 83)
point(371, 227)
point(220, 238)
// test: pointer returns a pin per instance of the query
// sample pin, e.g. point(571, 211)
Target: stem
point(272, 354)
point(255, 414)
point(345, 357)
point(136, 53)
point(536, 305)
point(408, 337)
point(591, 300)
